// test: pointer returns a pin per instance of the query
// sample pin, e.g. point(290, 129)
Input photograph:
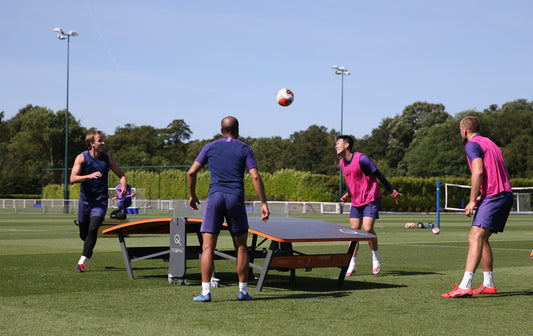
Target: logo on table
point(177, 239)
point(348, 231)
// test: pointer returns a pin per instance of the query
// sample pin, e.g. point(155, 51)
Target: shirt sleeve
point(202, 157)
point(473, 151)
point(250, 158)
point(367, 165)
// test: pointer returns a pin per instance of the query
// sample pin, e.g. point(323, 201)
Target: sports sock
point(488, 279)
point(467, 280)
point(206, 288)
point(375, 259)
point(352, 267)
point(243, 287)
point(82, 260)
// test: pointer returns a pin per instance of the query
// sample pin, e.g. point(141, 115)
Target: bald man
point(228, 159)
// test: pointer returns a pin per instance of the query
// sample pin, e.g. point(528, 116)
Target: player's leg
point(210, 228)
point(492, 215)
point(209, 243)
point(240, 243)
point(368, 226)
point(238, 225)
point(92, 233)
point(96, 217)
point(370, 214)
point(355, 223)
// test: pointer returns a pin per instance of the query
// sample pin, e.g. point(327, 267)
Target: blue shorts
point(492, 212)
point(86, 210)
point(220, 205)
point(367, 210)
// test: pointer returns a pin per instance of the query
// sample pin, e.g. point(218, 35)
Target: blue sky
point(150, 62)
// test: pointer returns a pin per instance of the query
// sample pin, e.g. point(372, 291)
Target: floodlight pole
point(62, 36)
point(341, 71)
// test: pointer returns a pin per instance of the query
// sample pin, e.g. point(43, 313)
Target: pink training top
point(495, 178)
point(363, 189)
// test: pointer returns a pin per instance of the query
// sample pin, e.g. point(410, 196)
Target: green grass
point(41, 294)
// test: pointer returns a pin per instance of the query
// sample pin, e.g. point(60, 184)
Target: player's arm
point(476, 179)
point(191, 181)
point(123, 180)
point(75, 176)
point(393, 192)
point(260, 190)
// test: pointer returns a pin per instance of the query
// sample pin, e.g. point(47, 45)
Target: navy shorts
point(220, 205)
point(492, 211)
point(367, 210)
point(86, 210)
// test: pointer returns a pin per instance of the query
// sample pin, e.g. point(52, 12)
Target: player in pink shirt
point(361, 175)
point(492, 196)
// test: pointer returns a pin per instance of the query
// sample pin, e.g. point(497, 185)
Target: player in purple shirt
point(91, 169)
point(492, 196)
point(228, 159)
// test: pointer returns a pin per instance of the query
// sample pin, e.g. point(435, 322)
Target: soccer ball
point(284, 97)
point(409, 225)
point(435, 231)
point(531, 255)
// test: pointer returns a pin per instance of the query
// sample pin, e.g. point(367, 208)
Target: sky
point(152, 62)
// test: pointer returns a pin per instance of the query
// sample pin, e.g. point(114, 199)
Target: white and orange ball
point(531, 255)
point(409, 225)
point(436, 230)
point(284, 97)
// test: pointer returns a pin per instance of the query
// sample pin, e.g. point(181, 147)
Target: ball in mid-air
point(284, 97)
point(436, 230)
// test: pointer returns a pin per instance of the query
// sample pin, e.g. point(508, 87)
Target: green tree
point(313, 150)
point(272, 154)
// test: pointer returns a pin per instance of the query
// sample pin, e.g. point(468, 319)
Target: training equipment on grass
point(409, 225)
point(531, 255)
point(435, 231)
point(284, 97)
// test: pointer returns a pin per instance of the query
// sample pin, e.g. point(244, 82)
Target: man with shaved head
point(228, 159)
point(492, 196)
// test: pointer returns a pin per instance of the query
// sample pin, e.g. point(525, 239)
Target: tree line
point(422, 141)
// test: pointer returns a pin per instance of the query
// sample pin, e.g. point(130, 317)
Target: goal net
point(456, 197)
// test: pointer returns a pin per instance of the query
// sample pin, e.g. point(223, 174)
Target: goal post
point(456, 197)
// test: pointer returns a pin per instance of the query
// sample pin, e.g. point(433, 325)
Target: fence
point(177, 207)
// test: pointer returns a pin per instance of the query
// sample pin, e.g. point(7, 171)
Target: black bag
point(118, 214)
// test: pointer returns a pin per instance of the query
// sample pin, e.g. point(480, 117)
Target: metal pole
point(342, 117)
point(66, 193)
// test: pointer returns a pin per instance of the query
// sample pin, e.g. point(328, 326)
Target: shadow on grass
point(504, 294)
point(408, 273)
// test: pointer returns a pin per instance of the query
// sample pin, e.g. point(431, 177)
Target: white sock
point(243, 287)
point(352, 262)
point(206, 288)
point(488, 279)
point(467, 280)
point(82, 260)
point(375, 259)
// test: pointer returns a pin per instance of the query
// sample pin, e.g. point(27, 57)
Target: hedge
point(283, 185)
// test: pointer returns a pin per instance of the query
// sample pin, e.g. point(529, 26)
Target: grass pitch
point(41, 294)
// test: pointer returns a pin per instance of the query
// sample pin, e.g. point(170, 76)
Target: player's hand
point(396, 195)
point(344, 198)
point(471, 206)
point(193, 202)
point(95, 175)
point(265, 212)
